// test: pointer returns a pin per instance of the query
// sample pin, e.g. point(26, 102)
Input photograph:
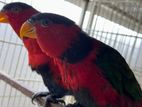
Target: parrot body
point(15, 14)
point(97, 74)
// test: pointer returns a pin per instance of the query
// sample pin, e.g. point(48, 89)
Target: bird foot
point(39, 95)
point(50, 98)
point(54, 99)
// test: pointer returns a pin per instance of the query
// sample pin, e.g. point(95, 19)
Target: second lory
point(15, 14)
point(97, 74)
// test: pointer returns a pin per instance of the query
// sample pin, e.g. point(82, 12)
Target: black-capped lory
point(15, 14)
point(97, 74)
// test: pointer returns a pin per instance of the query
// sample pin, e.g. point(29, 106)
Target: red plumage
point(54, 40)
point(83, 72)
point(17, 13)
point(36, 56)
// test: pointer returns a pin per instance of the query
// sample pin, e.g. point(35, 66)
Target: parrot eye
point(45, 22)
point(32, 20)
point(15, 9)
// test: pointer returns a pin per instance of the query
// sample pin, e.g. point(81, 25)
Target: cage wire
point(117, 24)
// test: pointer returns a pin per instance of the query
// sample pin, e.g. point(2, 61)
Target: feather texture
point(99, 77)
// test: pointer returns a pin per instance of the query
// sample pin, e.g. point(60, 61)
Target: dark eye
point(32, 20)
point(15, 9)
point(45, 22)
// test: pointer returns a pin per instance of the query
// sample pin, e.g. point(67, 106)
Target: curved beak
point(28, 30)
point(3, 17)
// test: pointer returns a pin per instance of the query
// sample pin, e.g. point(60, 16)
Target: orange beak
point(3, 18)
point(28, 30)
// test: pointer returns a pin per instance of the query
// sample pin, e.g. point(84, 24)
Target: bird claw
point(53, 99)
point(38, 95)
point(50, 98)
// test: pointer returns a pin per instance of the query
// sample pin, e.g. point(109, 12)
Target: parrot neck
point(32, 46)
point(35, 54)
point(79, 49)
point(16, 20)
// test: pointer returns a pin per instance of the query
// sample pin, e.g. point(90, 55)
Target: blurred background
point(117, 23)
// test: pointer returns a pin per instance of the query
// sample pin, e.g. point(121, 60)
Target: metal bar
point(11, 63)
point(117, 34)
point(98, 9)
point(6, 28)
point(12, 43)
point(137, 58)
point(128, 45)
point(119, 47)
point(126, 53)
point(139, 28)
point(112, 16)
point(90, 22)
point(20, 96)
point(15, 73)
point(103, 25)
point(116, 37)
point(25, 81)
point(83, 13)
point(4, 62)
point(7, 49)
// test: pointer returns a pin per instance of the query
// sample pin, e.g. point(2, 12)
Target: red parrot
point(15, 14)
point(97, 74)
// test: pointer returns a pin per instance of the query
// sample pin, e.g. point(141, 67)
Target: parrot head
point(36, 22)
point(16, 13)
point(51, 33)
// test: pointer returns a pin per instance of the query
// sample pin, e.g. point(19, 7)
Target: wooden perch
point(23, 89)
